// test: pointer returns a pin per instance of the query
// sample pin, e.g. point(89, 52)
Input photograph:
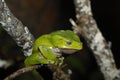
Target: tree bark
point(87, 27)
point(16, 29)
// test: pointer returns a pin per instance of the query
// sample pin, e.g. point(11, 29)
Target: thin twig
point(59, 74)
point(21, 71)
point(87, 27)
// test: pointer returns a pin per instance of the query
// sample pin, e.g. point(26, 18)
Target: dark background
point(45, 16)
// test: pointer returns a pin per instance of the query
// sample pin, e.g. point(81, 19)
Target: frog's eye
point(68, 43)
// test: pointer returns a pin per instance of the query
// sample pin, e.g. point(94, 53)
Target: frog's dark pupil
point(69, 43)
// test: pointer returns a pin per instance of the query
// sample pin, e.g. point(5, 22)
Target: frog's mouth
point(68, 51)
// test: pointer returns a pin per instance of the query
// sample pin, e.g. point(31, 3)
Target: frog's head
point(66, 40)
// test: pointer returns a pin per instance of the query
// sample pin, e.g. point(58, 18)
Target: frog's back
point(43, 40)
point(68, 34)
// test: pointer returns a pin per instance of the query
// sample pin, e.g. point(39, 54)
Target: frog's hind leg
point(35, 59)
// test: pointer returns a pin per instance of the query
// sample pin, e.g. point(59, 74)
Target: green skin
point(48, 48)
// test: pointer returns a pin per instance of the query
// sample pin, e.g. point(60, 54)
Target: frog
point(48, 48)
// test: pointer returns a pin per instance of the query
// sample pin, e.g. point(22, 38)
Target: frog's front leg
point(57, 52)
point(35, 58)
point(53, 55)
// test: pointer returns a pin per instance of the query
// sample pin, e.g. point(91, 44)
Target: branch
point(58, 73)
point(87, 27)
point(21, 71)
point(16, 29)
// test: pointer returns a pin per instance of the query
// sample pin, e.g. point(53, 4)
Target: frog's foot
point(57, 52)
